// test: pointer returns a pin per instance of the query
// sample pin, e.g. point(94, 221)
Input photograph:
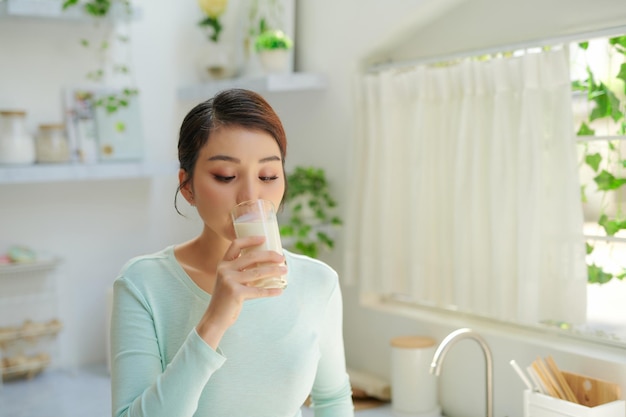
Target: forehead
point(237, 140)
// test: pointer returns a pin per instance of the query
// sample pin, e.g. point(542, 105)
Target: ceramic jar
point(51, 144)
point(17, 146)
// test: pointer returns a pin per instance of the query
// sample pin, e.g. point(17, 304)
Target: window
point(466, 183)
point(598, 72)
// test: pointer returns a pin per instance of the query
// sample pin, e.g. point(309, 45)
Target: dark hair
point(234, 107)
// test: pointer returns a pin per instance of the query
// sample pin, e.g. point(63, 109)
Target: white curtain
point(465, 189)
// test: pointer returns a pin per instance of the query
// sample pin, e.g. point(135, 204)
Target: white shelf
point(39, 265)
point(79, 172)
point(295, 81)
point(53, 9)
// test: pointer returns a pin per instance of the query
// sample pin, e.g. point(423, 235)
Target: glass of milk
point(258, 218)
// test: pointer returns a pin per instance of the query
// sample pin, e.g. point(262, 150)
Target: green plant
point(607, 105)
point(309, 207)
point(272, 39)
point(99, 10)
point(213, 9)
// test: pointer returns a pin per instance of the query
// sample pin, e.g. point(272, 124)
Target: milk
point(269, 229)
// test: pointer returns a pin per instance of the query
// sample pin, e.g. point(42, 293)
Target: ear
point(187, 189)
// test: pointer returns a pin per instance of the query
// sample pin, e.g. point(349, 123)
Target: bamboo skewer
point(569, 394)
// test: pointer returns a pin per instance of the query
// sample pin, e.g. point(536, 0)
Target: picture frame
point(98, 131)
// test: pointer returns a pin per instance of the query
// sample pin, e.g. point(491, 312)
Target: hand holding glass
point(258, 218)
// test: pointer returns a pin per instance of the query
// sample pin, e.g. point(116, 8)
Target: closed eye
point(222, 178)
point(268, 179)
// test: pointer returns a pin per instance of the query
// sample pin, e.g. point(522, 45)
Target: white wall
point(95, 227)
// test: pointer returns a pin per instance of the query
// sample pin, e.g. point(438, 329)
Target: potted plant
point(273, 48)
point(308, 218)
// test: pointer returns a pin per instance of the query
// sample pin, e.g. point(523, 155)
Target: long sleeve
point(280, 349)
point(141, 387)
point(331, 394)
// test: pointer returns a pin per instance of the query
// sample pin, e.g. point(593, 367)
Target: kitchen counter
point(84, 392)
point(382, 411)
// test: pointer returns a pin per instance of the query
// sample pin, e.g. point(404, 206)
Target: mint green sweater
point(280, 350)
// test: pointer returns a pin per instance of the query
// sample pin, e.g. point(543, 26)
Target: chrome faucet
point(446, 344)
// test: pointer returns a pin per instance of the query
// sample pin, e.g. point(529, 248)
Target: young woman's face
point(235, 165)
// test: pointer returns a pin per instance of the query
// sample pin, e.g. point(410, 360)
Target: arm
point(331, 394)
point(140, 387)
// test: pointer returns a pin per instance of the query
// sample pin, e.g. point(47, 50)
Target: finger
point(237, 245)
point(261, 271)
point(251, 259)
point(260, 292)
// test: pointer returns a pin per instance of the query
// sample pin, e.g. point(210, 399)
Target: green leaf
point(583, 45)
point(593, 161)
point(595, 275)
point(619, 40)
point(607, 181)
point(621, 75)
point(69, 3)
point(585, 130)
point(213, 23)
point(286, 230)
point(272, 39)
point(578, 85)
point(589, 248)
point(611, 227)
point(325, 239)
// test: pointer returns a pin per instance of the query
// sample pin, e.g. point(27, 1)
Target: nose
point(248, 190)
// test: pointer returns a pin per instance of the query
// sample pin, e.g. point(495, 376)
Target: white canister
point(17, 146)
point(413, 388)
point(51, 144)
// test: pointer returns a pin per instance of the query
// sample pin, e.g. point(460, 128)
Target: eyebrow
point(238, 161)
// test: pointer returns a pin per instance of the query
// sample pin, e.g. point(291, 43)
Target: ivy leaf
point(607, 181)
point(607, 104)
point(583, 45)
point(595, 275)
point(585, 130)
point(622, 74)
point(611, 227)
point(593, 161)
point(620, 40)
point(589, 248)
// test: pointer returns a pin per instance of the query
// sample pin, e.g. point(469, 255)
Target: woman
point(189, 336)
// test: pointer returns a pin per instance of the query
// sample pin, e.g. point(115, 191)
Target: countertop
point(85, 392)
point(382, 411)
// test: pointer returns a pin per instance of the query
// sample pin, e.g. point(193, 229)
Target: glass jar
point(17, 146)
point(52, 144)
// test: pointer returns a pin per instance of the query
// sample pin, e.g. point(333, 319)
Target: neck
point(199, 257)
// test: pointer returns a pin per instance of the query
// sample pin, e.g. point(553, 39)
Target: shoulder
point(306, 264)
point(145, 265)
point(311, 272)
